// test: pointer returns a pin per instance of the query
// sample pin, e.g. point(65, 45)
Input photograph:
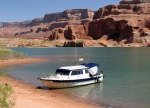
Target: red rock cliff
point(124, 22)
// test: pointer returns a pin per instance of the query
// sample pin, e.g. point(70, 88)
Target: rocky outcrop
point(73, 44)
point(70, 32)
point(126, 9)
point(13, 25)
point(113, 28)
point(75, 14)
point(134, 1)
point(86, 13)
point(56, 34)
point(35, 22)
point(123, 23)
point(58, 24)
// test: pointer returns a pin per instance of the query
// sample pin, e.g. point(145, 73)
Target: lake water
point(126, 70)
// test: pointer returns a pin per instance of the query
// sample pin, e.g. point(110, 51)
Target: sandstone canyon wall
point(123, 24)
point(128, 23)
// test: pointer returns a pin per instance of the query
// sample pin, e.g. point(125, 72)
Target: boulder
point(73, 44)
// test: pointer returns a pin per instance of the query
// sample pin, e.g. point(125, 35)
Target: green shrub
point(18, 55)
point(6, 54)
point(7, 99)
point(2, 74)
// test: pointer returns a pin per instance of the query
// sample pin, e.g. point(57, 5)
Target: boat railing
point(52, 76)
point(55, 76)
point(45, 74)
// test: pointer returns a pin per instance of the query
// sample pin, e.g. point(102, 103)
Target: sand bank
point(28, 96)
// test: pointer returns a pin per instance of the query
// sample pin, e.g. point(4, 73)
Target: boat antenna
point(86, 57)
point(75, 51)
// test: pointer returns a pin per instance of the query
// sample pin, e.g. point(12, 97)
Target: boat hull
point(70, 83)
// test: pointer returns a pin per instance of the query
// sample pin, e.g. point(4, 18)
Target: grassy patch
point(6, 54)
point(2, 74)
point(7, 99)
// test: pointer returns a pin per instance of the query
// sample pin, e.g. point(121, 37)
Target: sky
point(23, 10)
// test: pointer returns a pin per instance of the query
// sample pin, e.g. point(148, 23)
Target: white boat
point(72, 76)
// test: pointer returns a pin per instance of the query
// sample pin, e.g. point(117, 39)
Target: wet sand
point(28, 96)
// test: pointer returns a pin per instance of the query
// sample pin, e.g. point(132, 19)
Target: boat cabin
point(83, 69)
point(71, 76)
point(72, 72)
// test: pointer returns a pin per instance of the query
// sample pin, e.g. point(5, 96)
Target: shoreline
point(28, 96)
point(38, 43)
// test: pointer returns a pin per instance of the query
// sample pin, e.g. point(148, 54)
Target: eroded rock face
point(56, 34)
point(70, 32)
point(86, 13)
point(124, 23)
point(143, 8)
point(58, 24)
point(129, 29)
point(114, 29)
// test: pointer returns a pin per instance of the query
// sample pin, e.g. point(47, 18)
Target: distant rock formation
point(35, 22)
point(13, 25)
point(134, 1)
point(125, 9)
point(75, 14)
point(47, 23)
point(122, 23)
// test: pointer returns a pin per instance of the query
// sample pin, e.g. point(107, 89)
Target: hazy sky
point(22, 10)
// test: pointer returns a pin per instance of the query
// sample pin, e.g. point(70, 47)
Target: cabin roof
point(82, 66)
point(90, 65)
point(73, 67)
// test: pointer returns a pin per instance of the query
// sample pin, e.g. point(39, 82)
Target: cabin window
point(77, 72)
point(62, 72)
point(86, 71)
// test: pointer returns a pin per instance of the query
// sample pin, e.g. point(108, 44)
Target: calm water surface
point(126, 70)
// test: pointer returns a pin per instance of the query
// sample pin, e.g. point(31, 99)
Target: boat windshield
point(62, 72)
point(76, 72)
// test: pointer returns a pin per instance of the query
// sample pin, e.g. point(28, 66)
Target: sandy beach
point(28, 96)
